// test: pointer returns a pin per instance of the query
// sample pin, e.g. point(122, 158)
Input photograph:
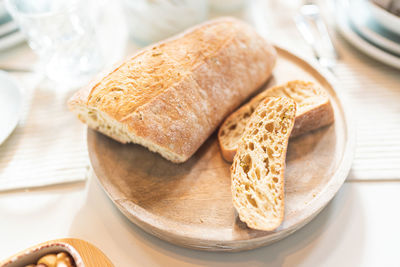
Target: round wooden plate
point(190, 204)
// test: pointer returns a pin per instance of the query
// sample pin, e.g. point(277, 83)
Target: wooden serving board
point(83, 253)
point(190, 204)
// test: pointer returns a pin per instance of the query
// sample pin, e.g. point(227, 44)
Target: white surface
point(358, 228)
point(11, 40)
point(371, 30)
point(10, 105)
point(387, 19)
point(369, 49)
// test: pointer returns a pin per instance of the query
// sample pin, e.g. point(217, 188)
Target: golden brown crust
point(171, 96)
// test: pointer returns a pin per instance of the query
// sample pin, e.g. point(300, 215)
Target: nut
point(64, 260)
point(49, 260)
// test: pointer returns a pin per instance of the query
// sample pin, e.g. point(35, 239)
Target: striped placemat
point(49, 144)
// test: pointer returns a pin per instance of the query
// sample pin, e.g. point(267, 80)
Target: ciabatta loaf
point(258, 167)
point(171, 96)
point(314, 110)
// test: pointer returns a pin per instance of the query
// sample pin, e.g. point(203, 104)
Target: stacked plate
point(9, 33)
point(372, 29)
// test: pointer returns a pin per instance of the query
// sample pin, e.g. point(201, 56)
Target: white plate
point(11, 39)
point(10, 105)
point(367, 26)
point(7, 27)
point(355, 39)
point(384, 17)
point(3, 12)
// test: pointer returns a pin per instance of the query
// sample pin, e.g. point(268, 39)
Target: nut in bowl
point(69, 252)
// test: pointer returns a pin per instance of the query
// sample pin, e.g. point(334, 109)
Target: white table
point(360, 227)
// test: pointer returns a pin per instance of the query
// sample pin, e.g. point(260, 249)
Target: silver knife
point(315, 33)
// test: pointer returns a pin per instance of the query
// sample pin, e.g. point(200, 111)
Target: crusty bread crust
point(314, 111)
point(171, 96)
point(257, 171)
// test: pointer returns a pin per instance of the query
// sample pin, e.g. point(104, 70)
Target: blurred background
point(73, 40)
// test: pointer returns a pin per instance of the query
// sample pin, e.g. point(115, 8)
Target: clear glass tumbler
point(63, 33)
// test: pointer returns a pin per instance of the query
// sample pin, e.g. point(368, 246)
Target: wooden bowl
point(83, 253)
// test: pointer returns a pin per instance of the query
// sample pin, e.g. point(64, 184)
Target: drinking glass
point(63, 34)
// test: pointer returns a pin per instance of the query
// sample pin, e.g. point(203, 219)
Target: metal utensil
point(314, 31)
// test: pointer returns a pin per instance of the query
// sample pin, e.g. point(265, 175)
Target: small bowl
point(83, 253)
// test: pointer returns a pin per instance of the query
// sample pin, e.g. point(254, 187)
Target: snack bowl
point(83, 253)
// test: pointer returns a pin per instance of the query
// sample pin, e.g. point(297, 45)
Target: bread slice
point(170, 97)
point(314, 111)
point(258, 168)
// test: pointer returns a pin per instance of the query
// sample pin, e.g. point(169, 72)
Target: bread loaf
point(314, 111)
point(258, 167)
point(171, 96)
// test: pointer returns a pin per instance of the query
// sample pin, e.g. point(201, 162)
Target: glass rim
point(14, 11)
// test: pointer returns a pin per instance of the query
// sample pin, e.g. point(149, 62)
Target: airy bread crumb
point(258, 168)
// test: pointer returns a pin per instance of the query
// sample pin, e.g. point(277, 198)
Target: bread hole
point(275, 179)
point(267, 207)
point(270, 186)
point(260, 124)
point(263, 114)
point(279, 108)
point(269, 126)
point(251, 146)
point(232, 127)
point(266, 164)
point(251, 200)
point(276, 148)
point(265, 137)
point(265, 149)
point(270, 152)
point(255, 131)
point(271, 116)
point(258, 175)
point(275, 169)
point(259, 195)
point(246, 163)
point(276, 201)
point(246, 187)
